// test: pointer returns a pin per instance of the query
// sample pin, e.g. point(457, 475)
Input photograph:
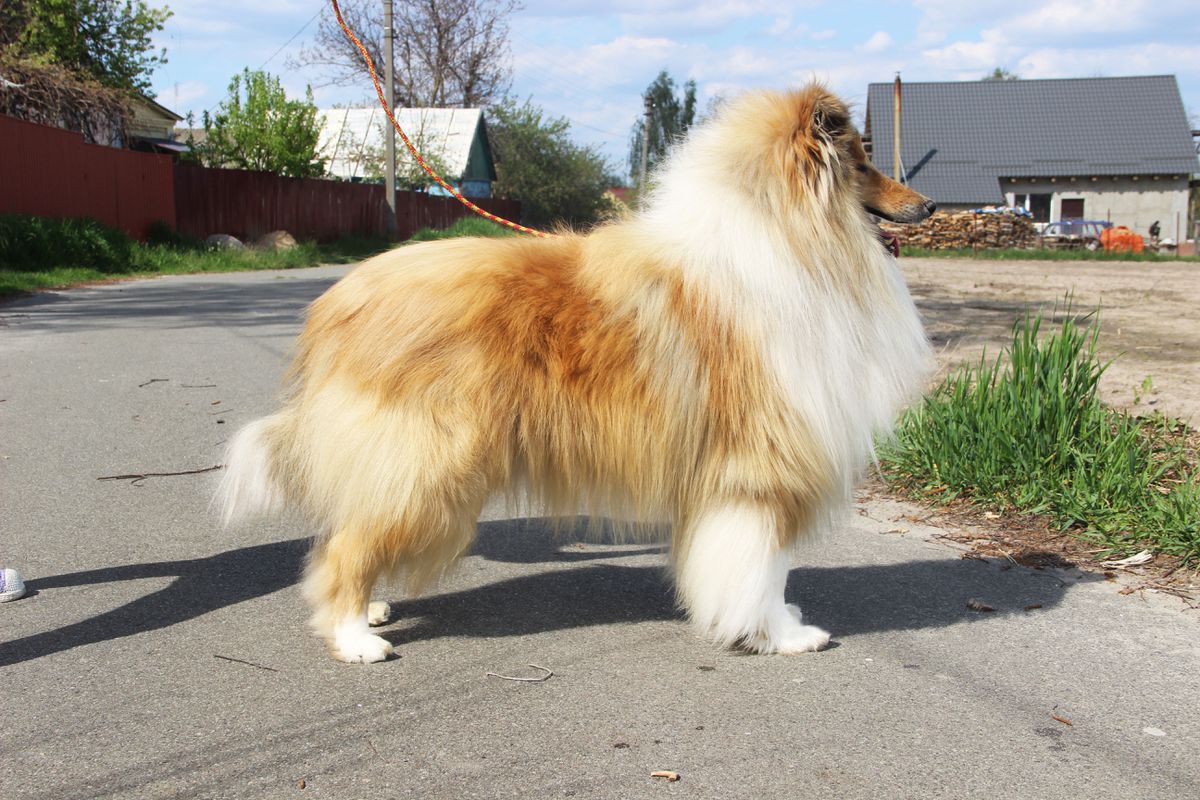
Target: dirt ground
point(1149, 312)
point(1149, 329)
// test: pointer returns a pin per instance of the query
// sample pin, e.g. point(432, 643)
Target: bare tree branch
point(448, 53)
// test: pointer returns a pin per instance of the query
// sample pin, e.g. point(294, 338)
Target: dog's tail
point(251, 484)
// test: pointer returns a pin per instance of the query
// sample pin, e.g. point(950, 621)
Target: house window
point(1039, 206)
point(1072, 209)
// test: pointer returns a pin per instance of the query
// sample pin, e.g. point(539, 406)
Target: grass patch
point(1027, 432)
point(41, 253)
point(1014, 254)
point(465, 226)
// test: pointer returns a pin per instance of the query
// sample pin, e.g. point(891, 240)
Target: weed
point(1027, 432)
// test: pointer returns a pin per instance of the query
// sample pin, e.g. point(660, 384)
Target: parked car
point(1071, 234)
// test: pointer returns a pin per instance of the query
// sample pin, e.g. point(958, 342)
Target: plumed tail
point(250, 486)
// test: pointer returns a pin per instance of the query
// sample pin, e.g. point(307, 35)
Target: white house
point(456, 138)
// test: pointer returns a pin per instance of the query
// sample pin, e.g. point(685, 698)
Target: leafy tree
point(108, 41)
point(670, 118)
point(1001, 74)
point(448, 53)
point(257, 127)
point(538, 164)
point(371, 157)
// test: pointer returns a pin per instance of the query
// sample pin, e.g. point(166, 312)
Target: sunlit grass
point(1027, 432)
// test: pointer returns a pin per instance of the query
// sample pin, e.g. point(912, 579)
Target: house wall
point(1135, 202)
point(149, 123)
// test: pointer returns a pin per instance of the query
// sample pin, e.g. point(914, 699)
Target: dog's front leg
point(730, 575)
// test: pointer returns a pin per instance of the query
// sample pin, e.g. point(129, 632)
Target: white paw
point(361, 648)
point(785, 634)
point(800, 639)
point(379, 611)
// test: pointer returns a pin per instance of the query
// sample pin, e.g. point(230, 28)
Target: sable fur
point(718, 362)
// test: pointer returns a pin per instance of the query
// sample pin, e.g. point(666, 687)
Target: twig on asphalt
point(545, 677)
point(138, 477)
point(247, 663)
point(153, 380)
point(197, 386)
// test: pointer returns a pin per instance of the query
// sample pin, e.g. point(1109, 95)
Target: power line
point(278, 50)
point(294, 35)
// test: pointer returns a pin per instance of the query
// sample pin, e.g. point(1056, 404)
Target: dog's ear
point(830, 119)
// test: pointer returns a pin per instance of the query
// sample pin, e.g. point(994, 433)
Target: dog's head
point(800, 148)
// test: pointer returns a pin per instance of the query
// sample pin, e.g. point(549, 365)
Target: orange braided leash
point(438, 178)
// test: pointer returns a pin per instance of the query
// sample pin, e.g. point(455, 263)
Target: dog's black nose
point(930, 206)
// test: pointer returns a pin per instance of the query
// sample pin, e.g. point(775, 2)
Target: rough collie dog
point(720, 361)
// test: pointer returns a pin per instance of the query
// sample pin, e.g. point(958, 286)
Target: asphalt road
point(161, 656)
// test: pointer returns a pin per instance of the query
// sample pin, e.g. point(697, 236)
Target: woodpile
point(959, 230)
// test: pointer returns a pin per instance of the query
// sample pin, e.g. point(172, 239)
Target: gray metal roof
point(958, 138)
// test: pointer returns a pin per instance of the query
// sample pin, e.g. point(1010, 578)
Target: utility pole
point(649, 109)
point(389, 134)
point(897, 172)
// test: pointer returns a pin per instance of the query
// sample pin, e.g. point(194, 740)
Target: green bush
point(161, 233)
point(29, 244)
point(1028, 432)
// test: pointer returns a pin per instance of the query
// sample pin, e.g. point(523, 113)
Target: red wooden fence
point(248, 204)
point(51, 172)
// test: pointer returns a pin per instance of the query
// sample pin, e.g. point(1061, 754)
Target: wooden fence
point(248, 204)
point(51, 172)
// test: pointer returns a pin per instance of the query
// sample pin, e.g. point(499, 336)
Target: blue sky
point(590, 61)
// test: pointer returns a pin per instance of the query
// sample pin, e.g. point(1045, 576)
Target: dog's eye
point(862, 168)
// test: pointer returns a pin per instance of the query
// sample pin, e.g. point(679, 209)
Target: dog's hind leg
point(341, 573)
point(731, 576)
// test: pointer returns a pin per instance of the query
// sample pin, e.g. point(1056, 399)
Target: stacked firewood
point(992, 230)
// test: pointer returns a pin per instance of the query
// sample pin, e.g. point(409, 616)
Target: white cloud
point(1143, 59)
point(180, 95)
point(780, 26)
point(879, 41)
point(987, 53)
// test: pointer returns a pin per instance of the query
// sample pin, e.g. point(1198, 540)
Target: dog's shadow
point(581, 590)
point(847, 600)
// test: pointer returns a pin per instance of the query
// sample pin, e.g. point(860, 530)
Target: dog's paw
point(785, 634)
point(361, 648)
point(800, 639)
point(378, 612)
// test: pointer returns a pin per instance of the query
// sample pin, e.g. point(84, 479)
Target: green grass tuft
point(1027, 432)
point(465, 226)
